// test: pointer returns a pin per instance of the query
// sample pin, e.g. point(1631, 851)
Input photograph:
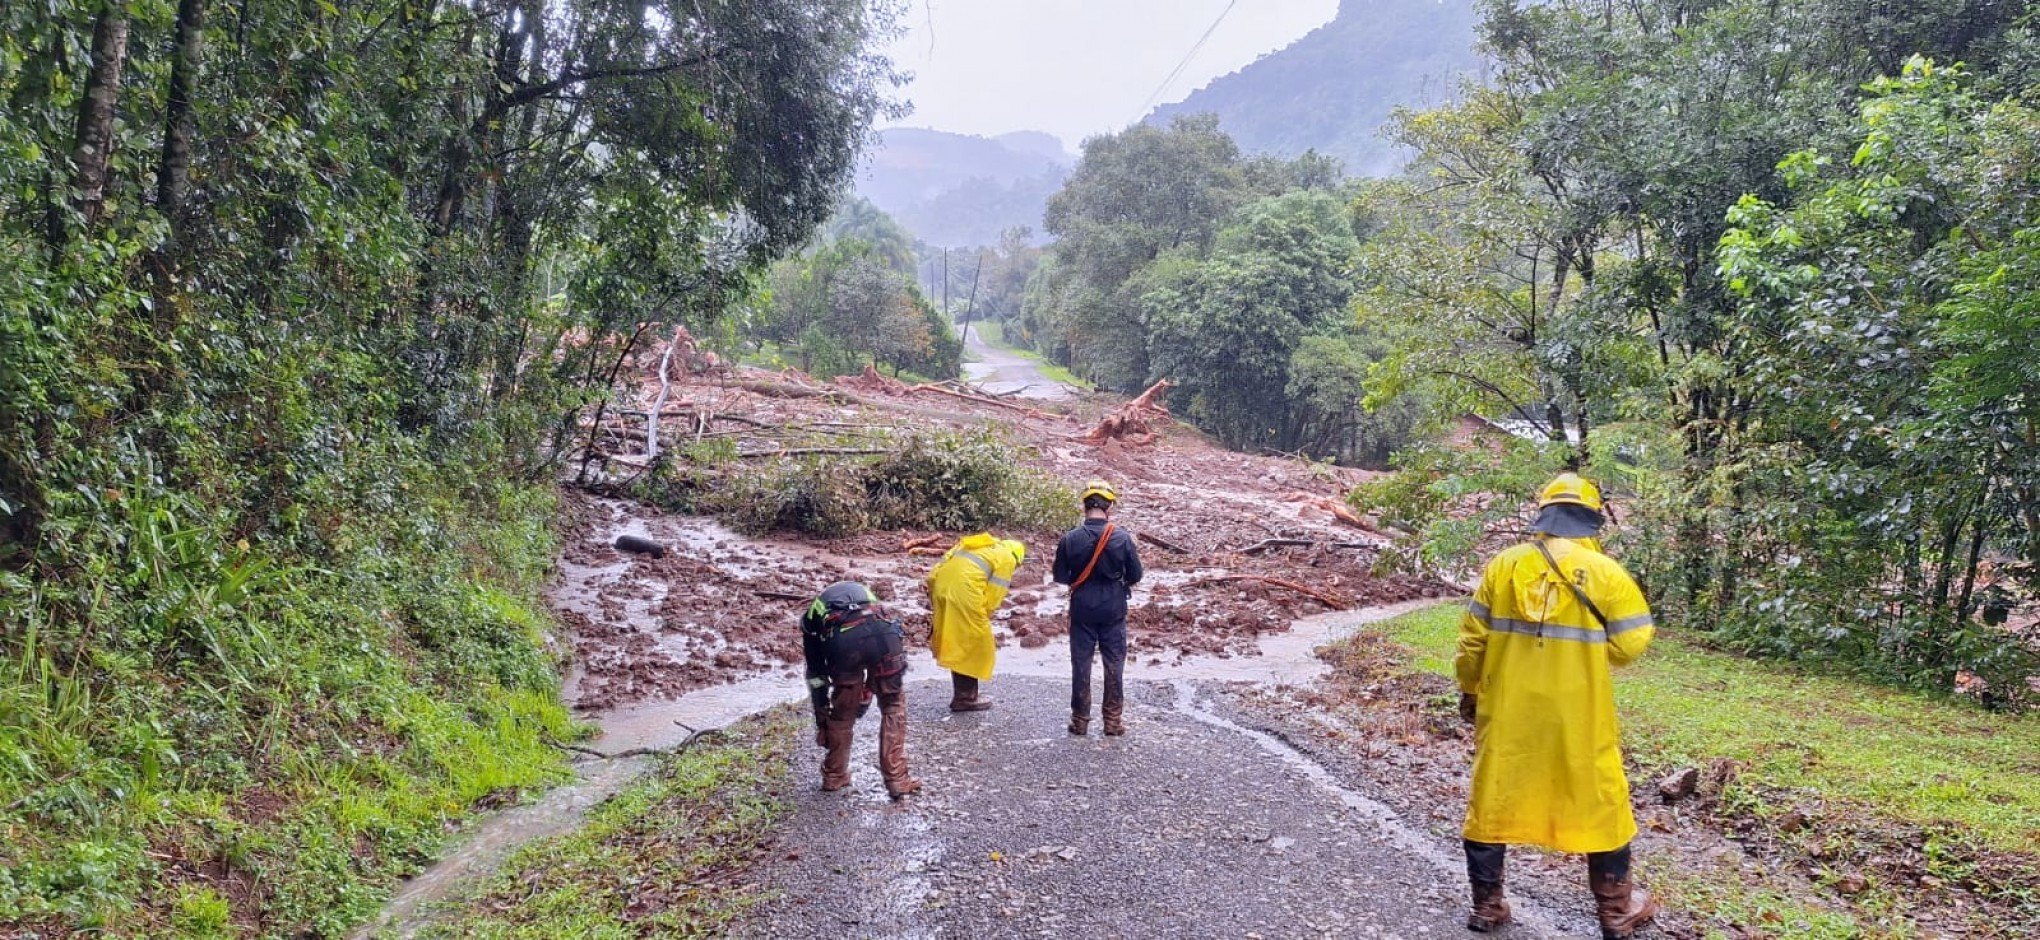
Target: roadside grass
point(1877, 793)
point(308, 744)
point(994, 333)
point(668, 857)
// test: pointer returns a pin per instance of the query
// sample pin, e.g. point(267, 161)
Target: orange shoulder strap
point(1096, 553)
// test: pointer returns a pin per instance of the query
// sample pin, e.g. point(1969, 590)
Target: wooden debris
point(942, 389)
point(1266, 544)
point(1134, 422)
point(925, 541)
point(1162, 543)
point(1326, 598)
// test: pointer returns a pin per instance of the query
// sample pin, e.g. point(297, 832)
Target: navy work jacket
point(1102, 599)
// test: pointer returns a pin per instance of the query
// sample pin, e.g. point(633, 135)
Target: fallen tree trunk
point(1267, 544)
point(1330, 600)
point(980, 399)
point(1162, 543)
point(787, 390)
point(811, 451)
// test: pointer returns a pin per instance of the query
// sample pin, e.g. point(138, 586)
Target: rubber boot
point(892, 748)
point(1619, 905)
point(836, 763)
point(1490, 907)
point(964, 696)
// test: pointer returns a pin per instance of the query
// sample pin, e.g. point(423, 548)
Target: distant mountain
point(1333, 89)
point(957, 189)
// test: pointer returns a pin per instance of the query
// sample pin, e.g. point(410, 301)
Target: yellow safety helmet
point(1099, 488)
point(1573, 489)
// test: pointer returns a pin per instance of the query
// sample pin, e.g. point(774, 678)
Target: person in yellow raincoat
point(964, 588)
point(1536, 645)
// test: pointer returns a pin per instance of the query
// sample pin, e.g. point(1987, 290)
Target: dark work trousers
point(1484, 862)
point(1109, 640)
point(852, 693)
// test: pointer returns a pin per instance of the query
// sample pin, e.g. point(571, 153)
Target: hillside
point(957, 189)
point(1332, 90)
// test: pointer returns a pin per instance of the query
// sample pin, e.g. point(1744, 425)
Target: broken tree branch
point(1162, 543)
point(1330, 600)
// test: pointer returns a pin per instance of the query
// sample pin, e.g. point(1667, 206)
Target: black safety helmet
point(845, 595)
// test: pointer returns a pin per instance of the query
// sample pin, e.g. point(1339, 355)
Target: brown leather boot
point(1080, 725)
point(964, 695)
point(1490, 907)
point(1619, 905)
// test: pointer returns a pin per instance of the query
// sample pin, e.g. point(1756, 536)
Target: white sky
point(1075, 68)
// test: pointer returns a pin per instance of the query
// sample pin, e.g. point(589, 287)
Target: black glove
point(1466, 706)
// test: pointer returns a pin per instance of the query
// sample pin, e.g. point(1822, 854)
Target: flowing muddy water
point(707, 636)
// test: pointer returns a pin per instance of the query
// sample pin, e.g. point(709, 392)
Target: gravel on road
point(1189, 826)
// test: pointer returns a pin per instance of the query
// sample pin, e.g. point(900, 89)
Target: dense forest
point(301, 303)
point(1765, 267)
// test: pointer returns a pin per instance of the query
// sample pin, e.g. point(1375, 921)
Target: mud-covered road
point(1192, 825)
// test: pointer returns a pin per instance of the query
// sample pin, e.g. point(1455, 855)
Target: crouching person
point(855, 653)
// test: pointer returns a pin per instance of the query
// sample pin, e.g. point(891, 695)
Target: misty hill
point(959, 189)
point(1333, 89)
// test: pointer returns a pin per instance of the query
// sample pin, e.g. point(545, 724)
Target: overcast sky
point(1075, 68)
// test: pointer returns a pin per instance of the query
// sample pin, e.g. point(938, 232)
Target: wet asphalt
point(1190, 826)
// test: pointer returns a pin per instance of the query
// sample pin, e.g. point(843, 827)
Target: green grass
point(994, 333)
point(1876, 770)
point(276, 770)
point(669, 856)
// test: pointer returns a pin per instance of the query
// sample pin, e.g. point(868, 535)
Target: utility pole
point(945, 283)
point(972, 308)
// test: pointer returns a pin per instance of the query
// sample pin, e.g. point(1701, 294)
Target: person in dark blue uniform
point(1099, 562)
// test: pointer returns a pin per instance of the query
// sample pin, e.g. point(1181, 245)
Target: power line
point(1180, 66)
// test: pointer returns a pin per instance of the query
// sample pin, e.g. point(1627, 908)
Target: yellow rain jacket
point(963, 589)
point(1547, 765)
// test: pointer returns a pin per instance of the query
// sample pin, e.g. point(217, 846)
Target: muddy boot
point(836, 763)
point(1618, 904)
point(1115, 706)
point(964, 695)
point(1490, 907)
point(1080, 725)
point(892, 748)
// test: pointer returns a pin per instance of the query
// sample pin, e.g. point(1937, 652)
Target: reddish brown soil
point(720, 607)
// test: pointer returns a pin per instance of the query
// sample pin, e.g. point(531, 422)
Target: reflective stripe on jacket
point(964, 588)
point(1547, 766)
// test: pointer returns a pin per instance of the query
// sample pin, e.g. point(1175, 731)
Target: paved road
point(1006, 372)
point(1191, 826)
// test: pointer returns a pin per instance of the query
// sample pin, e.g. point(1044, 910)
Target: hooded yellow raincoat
point(1547, 766)
point(963, 589)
